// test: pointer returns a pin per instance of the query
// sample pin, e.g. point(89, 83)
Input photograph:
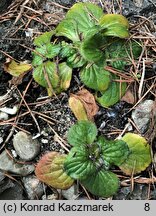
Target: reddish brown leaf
point(88, 101)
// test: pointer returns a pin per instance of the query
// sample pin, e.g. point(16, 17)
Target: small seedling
point(91, 158)
point(87, 40)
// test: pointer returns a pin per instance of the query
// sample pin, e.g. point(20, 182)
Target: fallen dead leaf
point(128, 97)
point(16, 69)
point(88, 102)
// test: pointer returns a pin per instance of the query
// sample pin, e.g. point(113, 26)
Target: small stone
point(33, 186)
point(49, 197)
point(3, 116)
point(44, 141)
point(71, 193)
point(25, 146)
point(10, 190)
point(9, 165)
point(141, 115)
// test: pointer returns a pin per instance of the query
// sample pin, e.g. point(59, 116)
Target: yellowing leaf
point(114, 25)
point(139, 157)
point(77, 108)
point(83, 105)
point(50, 170)
point(15, 68)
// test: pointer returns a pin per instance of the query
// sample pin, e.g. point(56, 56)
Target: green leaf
point(113, 94)
point(120, 53)
point(65, 74)
point(113, 152)
point(37, 59)
point(44, 38)
point(95, 77)
point(140, 156)
point(78, 164)
point(114, 25)
point(80, 18)
point(45, 73)
point(91, 48)
point(82, 133)
point(50, 170)
point(68, 28)
point(47, 51)
point(102, 183)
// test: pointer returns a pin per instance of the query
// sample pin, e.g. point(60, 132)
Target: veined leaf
point(114, 25)
point(78, 165)
point(95, 77)
point(82, 133)
point(114, 152)
point(139, 158)
point(47, 51)
point(112, 95)
point(44, 38)
point(102, 183)
point(80, 18)
point(50, 170)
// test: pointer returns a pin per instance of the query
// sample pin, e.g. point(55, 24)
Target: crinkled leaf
point(47, 51)
point(78, 165)
point(44, 38)
point(76, 60)
point(77, 108)
point(113, 152)
point(50, 170)
point(82, 133)
point(37, 60)
point(120, 53)
point(102, 183)
point(95, 77)
point(72, 55)
point(16, 69)
point(139, 157)
point(91, 48)
point(112, 95)
point(114, 25)
point(80, 18)
point(65, 74)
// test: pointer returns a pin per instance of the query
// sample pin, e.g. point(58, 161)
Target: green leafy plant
point(88, 40)
point(91, 158)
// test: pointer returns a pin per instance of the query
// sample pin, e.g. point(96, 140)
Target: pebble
point(10, 190)
point(9, 165)
point(3, 116)
point(49, 197)
point(141, 115)
point(33, 186)
point(71, 193)
point(25, 146)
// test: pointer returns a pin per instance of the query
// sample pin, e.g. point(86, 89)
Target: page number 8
point(147, 207)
